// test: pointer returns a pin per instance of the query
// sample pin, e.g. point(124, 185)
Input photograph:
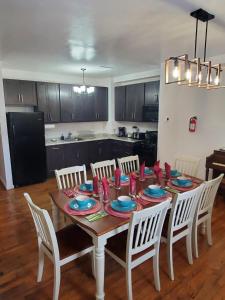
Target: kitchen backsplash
point(89, 128)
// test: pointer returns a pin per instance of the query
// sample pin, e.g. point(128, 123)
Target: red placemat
point(182, 189)
point(78, 191)
point(148, 199)
point(124, 215)
point(74, 212)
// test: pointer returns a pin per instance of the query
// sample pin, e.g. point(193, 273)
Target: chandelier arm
point(196, 37)
point(206, 33)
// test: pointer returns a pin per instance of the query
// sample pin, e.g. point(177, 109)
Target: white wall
point(179, 103)
point(5, 164)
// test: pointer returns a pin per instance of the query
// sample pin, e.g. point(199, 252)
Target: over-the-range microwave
point(151, 113)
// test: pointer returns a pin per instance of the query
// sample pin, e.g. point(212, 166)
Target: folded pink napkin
point(168, 170)
point(132, 186)
point(157, 163)
point(95, 185)
point(117, 177)
point(105, 187)
point(142, 170)
point(158, 172)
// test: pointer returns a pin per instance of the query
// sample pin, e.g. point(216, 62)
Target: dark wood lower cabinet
point(74, 154)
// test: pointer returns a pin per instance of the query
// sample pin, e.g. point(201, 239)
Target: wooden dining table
point(102, 229)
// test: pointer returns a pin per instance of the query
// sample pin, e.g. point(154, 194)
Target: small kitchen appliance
point(122, 131)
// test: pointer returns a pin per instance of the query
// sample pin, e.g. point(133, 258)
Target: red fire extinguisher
point(192, 124)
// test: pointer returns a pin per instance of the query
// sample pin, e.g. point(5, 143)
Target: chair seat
point(71, 240)
point(117, 245)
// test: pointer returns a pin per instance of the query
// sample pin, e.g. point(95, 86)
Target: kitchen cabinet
point(134, 102)
point(76, 154)
point(48, 101)
point(120, 103)
point(101, 103)
point(100, 150)
point(152, 92)
point(19, 92)
point(55, 159)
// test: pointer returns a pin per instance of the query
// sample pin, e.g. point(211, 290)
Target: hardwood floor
point(205, 279)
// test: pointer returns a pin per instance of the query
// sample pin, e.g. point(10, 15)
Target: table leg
point(99, 243)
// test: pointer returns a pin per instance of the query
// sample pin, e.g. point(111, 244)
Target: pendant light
point(83, 89)
point(184, 71)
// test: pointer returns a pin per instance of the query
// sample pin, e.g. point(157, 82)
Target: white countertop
point(98, 137)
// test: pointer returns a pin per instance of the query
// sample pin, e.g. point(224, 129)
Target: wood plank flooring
point(205, 279)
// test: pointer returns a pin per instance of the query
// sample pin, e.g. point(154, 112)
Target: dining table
point(106, 227)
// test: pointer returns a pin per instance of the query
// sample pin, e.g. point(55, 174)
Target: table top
point(107, 223)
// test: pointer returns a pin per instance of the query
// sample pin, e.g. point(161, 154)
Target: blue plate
point(83, 188)
point(177, 174)
point(123, 178)
point(148, 172)
point(74, 205)
point(116, 206)
point(160, 194)
point(187, 184)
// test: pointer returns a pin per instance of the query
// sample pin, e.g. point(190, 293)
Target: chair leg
point(189, 248)
point(129, 283)
point(156, 270)
point(56, 281)
point(93, 262)
point(195, 240)
point(209, 231)
point(170, 259)
point(41, 260)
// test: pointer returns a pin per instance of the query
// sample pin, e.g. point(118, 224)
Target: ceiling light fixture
point(184, 71)
point(83, 89)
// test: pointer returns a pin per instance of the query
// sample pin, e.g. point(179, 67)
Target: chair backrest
point(208, 194)
point(187, 165)
point(44, 227)
point(145, 228)
point(129, 164)
point(70, 177)
point(183, 209)
point(104, 168)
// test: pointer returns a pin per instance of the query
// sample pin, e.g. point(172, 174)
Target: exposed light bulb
point(216, 80)
point(175, 72)
point(83, 89)
point(90, 89)
point(188, 74)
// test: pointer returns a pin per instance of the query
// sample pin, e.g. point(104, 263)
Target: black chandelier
point(194, 72)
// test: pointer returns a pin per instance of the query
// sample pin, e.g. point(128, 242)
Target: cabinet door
point(100, 151)
point(48, 101)
point(76, 154)
point(101, 103)
point(11, 92)
point(66, 102)
point(152, 92)
point(120, 103)
point(134, 102)
point(55, 158)
point(28, 93)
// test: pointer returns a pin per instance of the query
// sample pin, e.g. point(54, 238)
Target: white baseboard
point(7, 187)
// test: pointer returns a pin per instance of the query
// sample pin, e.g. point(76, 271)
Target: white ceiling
point(127, 35)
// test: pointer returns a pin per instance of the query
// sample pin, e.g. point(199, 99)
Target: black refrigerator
point(27, 147)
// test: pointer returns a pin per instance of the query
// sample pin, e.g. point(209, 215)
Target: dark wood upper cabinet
point(48, 101)
point(101, 103)
point(134, 102)
point(152, 92)
point(20, 92)
point(66, 102)
point(120, 103)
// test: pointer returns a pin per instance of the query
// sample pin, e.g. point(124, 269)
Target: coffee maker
point(122, 131)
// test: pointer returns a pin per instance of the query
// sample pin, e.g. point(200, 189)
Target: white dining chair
point(61, 247)
point(141, 242)
point(104, 168)
point(204, 210)
point(70, 177)
point(129, 164)
point(180, 224)
point(187, 165)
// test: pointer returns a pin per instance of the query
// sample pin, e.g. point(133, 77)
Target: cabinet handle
point(55, 148)
point(78, 154)
point(21, 97)
point(72, 116)
point(134, 115)
point(50, 116)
